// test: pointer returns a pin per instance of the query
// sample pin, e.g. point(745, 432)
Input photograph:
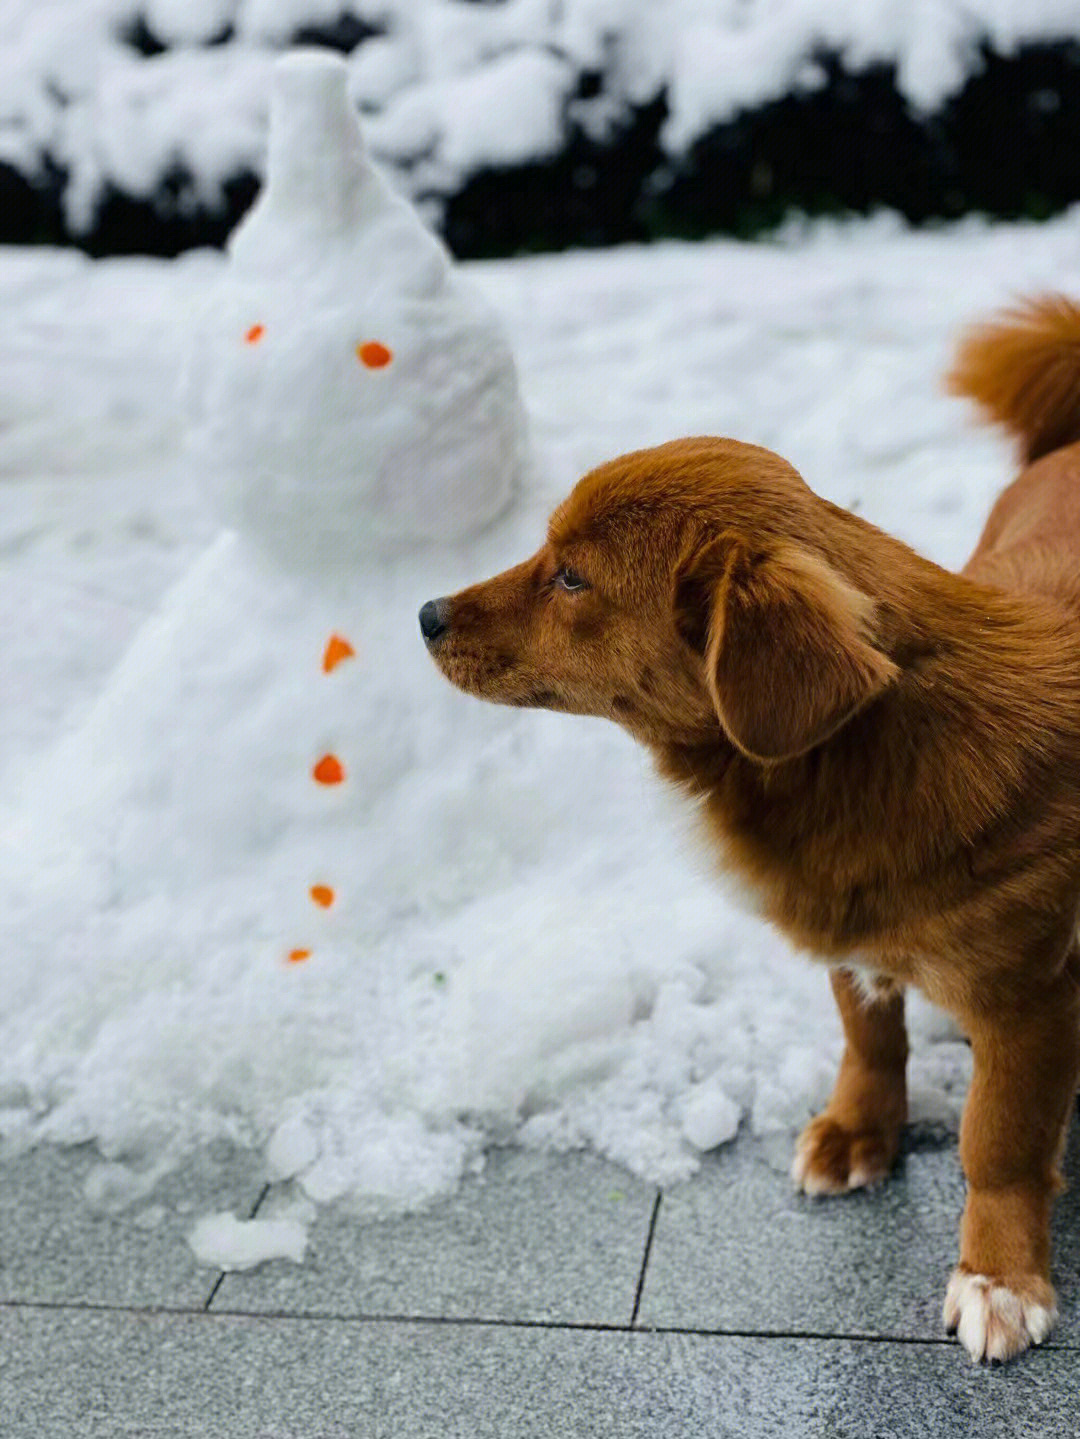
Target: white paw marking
point(814, 1183)
point(873, 986)
point(861, 1179)
point(801, 1173)
point(991, 1321)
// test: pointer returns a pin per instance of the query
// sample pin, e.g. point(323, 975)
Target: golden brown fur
point(887, 752)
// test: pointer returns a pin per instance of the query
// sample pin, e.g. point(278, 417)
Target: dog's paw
point(994, 1320)
point(830, 1159)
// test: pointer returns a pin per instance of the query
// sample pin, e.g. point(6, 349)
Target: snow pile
point(524, 941)
point(451, 86)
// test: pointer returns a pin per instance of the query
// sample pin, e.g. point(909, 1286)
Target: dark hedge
point(1008, 145)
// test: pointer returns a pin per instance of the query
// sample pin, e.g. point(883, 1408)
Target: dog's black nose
point(432, 621)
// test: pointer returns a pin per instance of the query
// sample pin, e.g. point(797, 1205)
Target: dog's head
point(683, 591)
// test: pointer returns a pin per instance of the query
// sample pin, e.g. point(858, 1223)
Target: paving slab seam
point(459, 1321)
point(645, 1257)
point(943, 1341)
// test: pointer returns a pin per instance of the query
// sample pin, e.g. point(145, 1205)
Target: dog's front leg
point(854, 1141)
point(1026, 1059)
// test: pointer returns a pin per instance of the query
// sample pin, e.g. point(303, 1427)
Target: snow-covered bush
point(139, 124)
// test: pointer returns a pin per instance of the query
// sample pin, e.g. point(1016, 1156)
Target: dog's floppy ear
point(783, 637)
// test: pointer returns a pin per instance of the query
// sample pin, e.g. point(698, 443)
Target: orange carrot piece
point(337, 649)
point(329, 770)
point(373, 354)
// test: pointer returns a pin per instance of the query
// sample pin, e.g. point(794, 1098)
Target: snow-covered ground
point(582, 979)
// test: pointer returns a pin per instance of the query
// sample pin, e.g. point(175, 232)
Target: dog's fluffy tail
point(1023, 370)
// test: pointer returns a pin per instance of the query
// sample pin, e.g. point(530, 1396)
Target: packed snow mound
point(350, 392)
point(123, 93)
point(269, 777)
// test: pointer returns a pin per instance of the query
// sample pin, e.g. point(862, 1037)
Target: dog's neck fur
point(848, 844)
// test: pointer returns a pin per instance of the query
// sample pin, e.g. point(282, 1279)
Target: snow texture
point(527, 943)
point(452, 86)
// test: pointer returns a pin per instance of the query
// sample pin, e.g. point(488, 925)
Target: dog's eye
point(568, 579)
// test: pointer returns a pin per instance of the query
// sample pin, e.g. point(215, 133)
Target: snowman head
point(350, 394)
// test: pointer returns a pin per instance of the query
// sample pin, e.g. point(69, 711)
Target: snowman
point(231, 810)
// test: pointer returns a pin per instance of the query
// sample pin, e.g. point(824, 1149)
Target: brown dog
point(888, 753)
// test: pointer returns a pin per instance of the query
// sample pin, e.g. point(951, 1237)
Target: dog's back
point(1023, 370)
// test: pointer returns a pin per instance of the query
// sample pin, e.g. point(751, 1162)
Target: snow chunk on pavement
point(709, 1116)
point(222, 1241)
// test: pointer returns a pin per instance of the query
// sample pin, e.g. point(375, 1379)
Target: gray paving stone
point(56, 1245)
point(97, 1375)
point(737, 1249)
point(536, 1237)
